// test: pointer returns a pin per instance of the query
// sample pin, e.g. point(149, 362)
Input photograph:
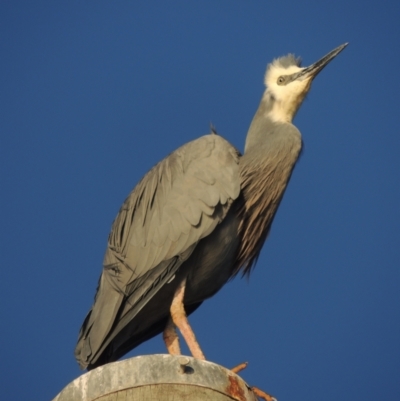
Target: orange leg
point(171, 338)
point(179, 318)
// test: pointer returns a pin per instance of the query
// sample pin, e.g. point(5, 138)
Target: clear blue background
point(94, 93)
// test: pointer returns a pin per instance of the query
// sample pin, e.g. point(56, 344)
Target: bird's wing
point(177, 203)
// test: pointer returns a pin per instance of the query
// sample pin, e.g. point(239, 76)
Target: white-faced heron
point(194, 221)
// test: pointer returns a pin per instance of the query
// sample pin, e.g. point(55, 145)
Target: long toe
point(240, 367)
point(263, 395)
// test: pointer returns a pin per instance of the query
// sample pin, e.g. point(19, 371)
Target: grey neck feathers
point(271, 152)
point(260, 126)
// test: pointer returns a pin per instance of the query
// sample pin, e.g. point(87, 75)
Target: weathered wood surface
point(158, 377)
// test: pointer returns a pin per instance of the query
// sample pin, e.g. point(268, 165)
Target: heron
point(195, 220)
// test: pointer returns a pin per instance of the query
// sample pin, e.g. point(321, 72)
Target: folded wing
point(177, 203)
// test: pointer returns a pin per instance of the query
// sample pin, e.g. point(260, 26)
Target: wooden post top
point(158, 377)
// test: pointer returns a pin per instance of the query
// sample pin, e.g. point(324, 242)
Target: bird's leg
point(171, 338)
point(179, 317)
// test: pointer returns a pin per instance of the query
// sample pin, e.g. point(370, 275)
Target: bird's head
point(288, 83)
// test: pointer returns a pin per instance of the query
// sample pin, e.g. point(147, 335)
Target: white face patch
point(287, 98)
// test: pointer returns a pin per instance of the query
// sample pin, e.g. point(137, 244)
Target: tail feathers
point(117, 302)
point(98, 322)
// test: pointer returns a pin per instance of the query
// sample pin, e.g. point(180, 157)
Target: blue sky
point(94, 93)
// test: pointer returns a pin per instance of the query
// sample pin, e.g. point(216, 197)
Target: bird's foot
point(259, 393)
point(240, 367)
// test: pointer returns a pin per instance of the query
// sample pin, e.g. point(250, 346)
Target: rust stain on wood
point(235, 390)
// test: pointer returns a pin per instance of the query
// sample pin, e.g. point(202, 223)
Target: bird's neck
point(283, 111)
point(260, 128)
point(272, 150)
point(281, 107)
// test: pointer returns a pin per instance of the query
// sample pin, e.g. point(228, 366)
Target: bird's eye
point(281, 80)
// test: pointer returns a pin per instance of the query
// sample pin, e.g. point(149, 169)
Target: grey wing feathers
point(177, 203)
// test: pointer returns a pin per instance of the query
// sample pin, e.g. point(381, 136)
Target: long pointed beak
point(313, 70)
